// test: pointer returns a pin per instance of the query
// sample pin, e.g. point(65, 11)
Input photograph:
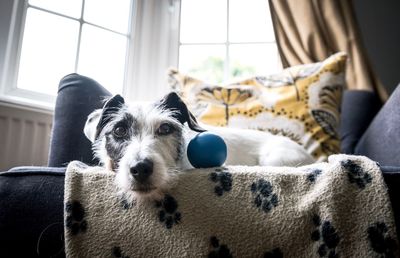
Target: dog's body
point(256, 148)
point(146, 144)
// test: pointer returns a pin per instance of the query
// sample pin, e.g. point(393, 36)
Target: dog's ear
point(173, 102)
point(112, 106)
point(90, 128)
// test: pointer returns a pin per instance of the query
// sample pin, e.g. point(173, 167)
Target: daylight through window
point(225, 39)
point(65, 36)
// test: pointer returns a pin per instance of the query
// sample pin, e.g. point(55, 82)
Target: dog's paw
point(223, 178)
point(75, 220)
point(218, 250)
point(265, 198)
point(169, 211)
point(327, 237)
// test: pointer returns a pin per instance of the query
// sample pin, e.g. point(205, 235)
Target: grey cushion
point(77, 97)
point(358, 109)
point(381, 141)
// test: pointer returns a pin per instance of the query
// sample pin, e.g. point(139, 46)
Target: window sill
point(27, 104)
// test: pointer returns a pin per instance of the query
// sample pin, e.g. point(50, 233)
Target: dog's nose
point(142, 170)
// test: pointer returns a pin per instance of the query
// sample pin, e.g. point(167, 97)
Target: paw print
point(116, 252)
point(75, 220)
point(380, 240)
point(327, 236)
point(224, 177)
point(314, 173)
point(275, 253)
point(356, 173)
point(220, 251)
point(168, 213)
point(265, 198)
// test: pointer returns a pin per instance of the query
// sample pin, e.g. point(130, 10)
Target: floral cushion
point(301, 102)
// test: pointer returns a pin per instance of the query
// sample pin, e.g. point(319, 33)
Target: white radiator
point(24, 137)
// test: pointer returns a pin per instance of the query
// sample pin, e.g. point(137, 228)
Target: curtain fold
point(311, 30)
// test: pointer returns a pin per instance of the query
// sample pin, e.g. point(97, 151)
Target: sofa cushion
point(358, 109)
point(381, 141)
point(77, 97)
point(301, 102)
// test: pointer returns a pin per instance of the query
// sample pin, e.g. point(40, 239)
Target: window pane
point(203, 21)
point(102, 57)
point(67, 7)
point(250, 21)
point(253, 59)
point(48, 51)
point(110, 14)
point(205, 62)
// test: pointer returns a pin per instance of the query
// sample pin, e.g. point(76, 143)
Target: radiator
point(24, 137)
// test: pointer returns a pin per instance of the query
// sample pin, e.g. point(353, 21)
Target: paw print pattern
point(380, 240)
point(314, 173)
point(265, 198)
point(275, 253)
point(356, 173)
point(116, 252)
point(220, 251)
point(327, 236)
point(75, 220)
point(224, 178)
point(168, 213)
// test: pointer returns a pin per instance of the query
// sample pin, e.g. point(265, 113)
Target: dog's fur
point(145, 140)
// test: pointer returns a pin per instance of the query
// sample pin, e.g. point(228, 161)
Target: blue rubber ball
point(207, 150)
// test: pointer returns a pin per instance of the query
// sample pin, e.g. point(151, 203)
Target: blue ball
point(207, 150)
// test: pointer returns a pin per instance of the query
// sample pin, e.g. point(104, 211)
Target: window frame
point(152, 48)
point(10, 94)
point(227, 43)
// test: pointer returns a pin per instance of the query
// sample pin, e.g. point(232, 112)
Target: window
point(127, 45)
point(58, 37)
point(224, 39)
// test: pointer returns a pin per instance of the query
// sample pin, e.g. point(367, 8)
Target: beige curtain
point(310, 30)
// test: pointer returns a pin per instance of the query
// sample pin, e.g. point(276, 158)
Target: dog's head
point(141, 143)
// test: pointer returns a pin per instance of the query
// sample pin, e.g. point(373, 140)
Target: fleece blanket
point(335, 209)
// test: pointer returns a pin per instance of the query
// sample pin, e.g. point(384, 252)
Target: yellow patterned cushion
point(301, 102)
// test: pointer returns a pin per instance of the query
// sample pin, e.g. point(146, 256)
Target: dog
point(145, 144)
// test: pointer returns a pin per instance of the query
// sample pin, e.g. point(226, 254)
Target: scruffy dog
point(146, 144)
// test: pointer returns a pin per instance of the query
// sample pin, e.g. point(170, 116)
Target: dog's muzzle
point(142, 171)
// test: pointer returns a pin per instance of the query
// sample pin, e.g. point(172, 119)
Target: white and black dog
point(146, 144)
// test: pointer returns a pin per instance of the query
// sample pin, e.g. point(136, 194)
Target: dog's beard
point(162, 179)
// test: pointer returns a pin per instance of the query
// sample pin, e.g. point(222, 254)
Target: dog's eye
point(165, 129)
point(120, 131)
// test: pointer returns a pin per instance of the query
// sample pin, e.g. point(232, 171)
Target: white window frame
point(153, 45)
point(227, 43)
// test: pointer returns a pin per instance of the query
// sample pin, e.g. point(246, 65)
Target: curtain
point(311, 30)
